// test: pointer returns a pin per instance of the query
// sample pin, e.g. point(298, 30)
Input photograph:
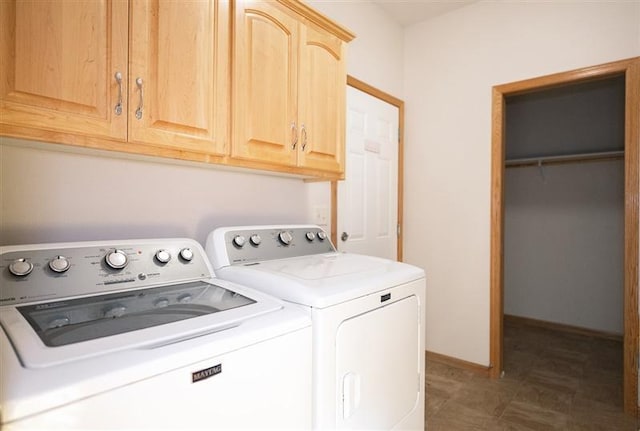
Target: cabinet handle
point(139, 83)
point(294, 136)
point(118, 107)
point(303, 133)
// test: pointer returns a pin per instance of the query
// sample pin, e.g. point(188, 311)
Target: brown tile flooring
point(553, 381)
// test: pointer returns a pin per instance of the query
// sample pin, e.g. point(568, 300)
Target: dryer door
point(377, 365)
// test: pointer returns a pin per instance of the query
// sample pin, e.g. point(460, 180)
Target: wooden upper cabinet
point(179, 74)
point(58, 65)
point(265, 92)
point(290, 86)
point(322, 102)
point(154, 77)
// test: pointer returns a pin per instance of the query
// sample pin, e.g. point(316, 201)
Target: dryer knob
point(116, 259)
point(59, 264)
point(163, 256)
point(255, 239)
point(20, 267)
point(322, 236)
point(310, 236)
point(239, 241)
point(285, 237)
point(186, 254)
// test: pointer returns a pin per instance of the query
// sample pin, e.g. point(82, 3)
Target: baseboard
point(458, 363)
point(517, 320)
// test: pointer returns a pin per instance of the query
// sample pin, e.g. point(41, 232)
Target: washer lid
point(50, 333)
point(322, 280)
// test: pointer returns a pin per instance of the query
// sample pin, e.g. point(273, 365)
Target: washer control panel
point(253, 244)
point(52, 271)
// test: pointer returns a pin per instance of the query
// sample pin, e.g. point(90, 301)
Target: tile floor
point(553, 381)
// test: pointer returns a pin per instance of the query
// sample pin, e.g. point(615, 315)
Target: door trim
point(386, 97)
point(630, 68)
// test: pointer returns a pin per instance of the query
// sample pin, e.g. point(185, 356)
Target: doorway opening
point(629, 70)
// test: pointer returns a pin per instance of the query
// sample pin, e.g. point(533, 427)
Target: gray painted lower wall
point(564, 244)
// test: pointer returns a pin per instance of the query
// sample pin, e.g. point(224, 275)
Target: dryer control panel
point(251, 244)
point(52, 271)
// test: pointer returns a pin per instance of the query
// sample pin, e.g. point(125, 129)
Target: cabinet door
point(265, 88)
point(178, 78)
point(59, 60)
point(323, 83)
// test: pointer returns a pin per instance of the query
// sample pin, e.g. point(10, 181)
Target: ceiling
point(407, 12)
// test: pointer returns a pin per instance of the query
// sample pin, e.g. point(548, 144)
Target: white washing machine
point(368, 317)
point(138, 335)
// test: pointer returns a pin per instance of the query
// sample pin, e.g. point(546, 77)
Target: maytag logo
point(206, 373)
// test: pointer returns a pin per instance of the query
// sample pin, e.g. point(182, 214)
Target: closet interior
point(564, 206)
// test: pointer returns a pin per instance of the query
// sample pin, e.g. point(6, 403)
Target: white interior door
point(368, 197)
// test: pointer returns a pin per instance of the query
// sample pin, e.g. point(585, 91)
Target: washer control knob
point(310, 236)
point(186, 254)
point(59, 264)
point(116, 259)
point(255, 239)
point(115, 311)
point(322, 236)
point(285, 237)
point(20, 267)
point(163, 256)
point(239, 241)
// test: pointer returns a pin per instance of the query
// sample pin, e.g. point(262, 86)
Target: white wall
point(451, 63)
point(375, 56)
point(564, 244)
point(49, 196)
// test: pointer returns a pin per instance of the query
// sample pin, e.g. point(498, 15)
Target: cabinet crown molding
point(319, 19)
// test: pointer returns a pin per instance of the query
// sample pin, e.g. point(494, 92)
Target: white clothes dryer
point(138, 335)
point(368, 318)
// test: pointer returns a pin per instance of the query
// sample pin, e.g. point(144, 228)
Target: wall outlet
point(321, 215)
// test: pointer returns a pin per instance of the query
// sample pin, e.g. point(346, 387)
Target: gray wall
point(564, 244)
point(587, 117)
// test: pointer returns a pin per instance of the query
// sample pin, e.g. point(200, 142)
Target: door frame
point(630, 68)
point(385, 97)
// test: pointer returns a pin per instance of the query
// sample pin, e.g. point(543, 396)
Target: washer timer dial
point(116, 259)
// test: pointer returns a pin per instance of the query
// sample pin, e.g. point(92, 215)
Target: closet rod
point(571, 158)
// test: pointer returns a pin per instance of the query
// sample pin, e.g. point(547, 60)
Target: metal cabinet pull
point(303, 133)
point(139, 83)
point(118, 107)
point(294, 136)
